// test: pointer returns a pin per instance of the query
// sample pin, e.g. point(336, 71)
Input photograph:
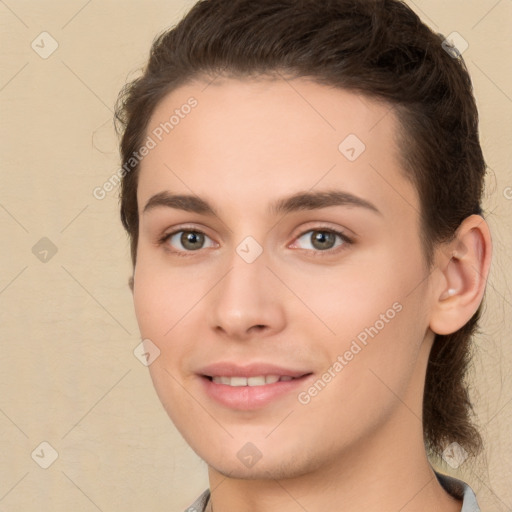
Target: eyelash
point(347, 241)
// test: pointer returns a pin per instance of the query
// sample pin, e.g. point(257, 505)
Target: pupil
point(323, 239)
point(188, 239)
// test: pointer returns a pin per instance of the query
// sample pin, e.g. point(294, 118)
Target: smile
point(260, 380)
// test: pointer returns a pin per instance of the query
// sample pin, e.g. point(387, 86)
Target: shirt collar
point(457, 488)
point(460, 490)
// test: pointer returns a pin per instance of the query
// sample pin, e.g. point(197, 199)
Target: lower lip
point(245, 398)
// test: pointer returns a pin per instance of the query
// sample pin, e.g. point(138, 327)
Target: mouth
point(253, 387)
point(254, 381)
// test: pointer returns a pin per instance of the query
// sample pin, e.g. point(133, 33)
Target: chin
point(276, 465)
point(260, 471)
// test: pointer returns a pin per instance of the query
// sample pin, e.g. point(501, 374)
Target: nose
point(247, 302)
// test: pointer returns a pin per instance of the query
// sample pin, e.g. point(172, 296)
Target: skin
point(358, 443)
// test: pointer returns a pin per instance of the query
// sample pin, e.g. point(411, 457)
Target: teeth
point(256, 381)
point(260, 380)
point(237, 381)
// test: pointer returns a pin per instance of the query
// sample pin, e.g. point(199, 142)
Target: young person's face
point(349, 319)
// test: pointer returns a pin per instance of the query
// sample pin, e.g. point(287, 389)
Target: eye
point(187, 240)
point(318, 240)
point(323, 239)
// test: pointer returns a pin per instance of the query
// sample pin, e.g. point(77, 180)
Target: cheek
point(160, 294)
point(352, 297)
point(380, 346)
point(148, 304)
point(156, 303)
point(167, 304)
point(375, 315)
point(160, 311)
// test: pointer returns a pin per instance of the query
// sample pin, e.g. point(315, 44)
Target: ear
point(130, 283)
point(463, 265)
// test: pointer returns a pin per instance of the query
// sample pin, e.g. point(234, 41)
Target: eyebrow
point(296, 202)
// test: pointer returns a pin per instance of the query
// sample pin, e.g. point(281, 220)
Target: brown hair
point(376, 47)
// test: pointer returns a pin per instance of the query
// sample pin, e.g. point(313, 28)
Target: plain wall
point(68, 375)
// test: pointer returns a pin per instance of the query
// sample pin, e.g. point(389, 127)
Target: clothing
point(456, 488)
point(461, 491)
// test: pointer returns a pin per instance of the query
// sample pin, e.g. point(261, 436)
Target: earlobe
point(463, 276)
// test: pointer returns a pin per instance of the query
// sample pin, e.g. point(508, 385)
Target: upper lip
point(227, 369)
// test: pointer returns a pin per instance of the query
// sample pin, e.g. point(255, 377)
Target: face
point(279, 239)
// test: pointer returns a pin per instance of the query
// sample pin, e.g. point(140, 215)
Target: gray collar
point(461, 491)
point(457, 488)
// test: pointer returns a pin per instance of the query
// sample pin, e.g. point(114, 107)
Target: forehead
point(244, 140)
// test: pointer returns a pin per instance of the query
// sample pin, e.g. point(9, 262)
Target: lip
point(245, 398)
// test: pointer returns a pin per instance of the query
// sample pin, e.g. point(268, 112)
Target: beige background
point(68, 375)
